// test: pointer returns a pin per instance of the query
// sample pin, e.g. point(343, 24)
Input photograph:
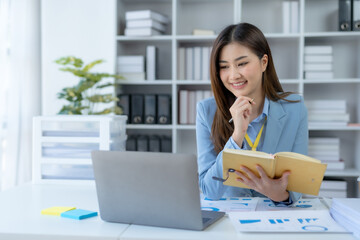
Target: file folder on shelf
point(344, 15)
point(150, 109)
point(131, 143)
point(165, 142)
point(154, 143)
point(355, 15)
point(142, 143)
point(164, 109)
point(124, 104)
point(137, 108)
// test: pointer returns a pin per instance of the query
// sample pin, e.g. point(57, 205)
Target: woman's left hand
point(275, 189)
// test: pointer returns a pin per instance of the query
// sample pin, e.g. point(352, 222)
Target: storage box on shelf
point(315, 25)
point(62, 145)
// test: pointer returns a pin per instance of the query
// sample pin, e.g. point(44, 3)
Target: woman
point(249, 110)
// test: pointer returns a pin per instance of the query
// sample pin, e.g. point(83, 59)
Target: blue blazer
point(286, 129)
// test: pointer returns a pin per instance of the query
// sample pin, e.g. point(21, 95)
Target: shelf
point(326, 128)
point(69, 139)
point(193, 82)
point(123, 38)
point(333, 81)
point(195, 38)
point(156, 82)
point(289, 81)
point(345, 128)
point(66, 161)
point(332, 34)
point(149, 126)
point(69, 182)
point(343, 173)
point(186, 127)
point(282, 35)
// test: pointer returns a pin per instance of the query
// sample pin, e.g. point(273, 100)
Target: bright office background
point(19, 87)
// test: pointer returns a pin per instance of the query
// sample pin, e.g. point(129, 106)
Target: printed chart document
point(285, 221)
point(306, 173)
point(265, 204)
point(233, 204)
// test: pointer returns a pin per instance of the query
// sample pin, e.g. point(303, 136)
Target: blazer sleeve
point(302, 134)
point(209, 163)
point(300, 146)
point(301, 143)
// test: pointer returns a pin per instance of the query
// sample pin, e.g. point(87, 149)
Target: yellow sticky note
point(57, 211)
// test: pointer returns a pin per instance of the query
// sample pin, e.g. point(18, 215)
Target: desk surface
point(20, 216)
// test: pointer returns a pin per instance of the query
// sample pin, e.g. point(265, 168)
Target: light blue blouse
point(285, 129)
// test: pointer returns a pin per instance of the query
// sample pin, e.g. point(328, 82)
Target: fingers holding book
point(274, 189)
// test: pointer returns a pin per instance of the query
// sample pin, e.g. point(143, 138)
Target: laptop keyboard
point(205, 220)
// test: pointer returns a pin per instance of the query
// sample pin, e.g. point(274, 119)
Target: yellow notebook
point(306, 173)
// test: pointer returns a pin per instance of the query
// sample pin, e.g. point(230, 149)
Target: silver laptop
point(147, 188)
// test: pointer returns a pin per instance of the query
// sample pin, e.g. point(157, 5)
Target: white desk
point(20, 214)
point(20, 218)
point(221, 230)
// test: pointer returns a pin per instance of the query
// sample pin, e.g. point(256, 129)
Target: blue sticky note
point(79, 214)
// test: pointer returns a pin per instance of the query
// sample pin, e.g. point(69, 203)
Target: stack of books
point(328, 151)
point(187, 104)
point(145, 23)
point(290, 13)
point(333, 189)
point(327, 113)
point(193, 63)
point(346, 212)
point(318, 62)
point(131, 67)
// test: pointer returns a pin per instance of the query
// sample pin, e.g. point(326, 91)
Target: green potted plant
point(84, 96)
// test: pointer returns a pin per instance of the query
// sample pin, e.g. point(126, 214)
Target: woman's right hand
point(241, 111)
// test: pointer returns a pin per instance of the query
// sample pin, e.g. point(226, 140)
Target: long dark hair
point(251, 37)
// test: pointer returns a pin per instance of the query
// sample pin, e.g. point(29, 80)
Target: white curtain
point(22, 82)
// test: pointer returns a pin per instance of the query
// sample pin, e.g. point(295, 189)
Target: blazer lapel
point(274, 126)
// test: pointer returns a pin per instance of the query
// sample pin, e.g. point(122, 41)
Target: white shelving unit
point(63, 144)
point(318, 26)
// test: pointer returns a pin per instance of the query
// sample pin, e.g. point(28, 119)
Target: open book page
point(236, 158)
point(250, 153)
point(306, 176)
point(297, 156)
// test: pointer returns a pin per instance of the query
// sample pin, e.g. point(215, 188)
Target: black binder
point(137, 108)
point(355, 15)
point(142, 143)
point(345, 15)
point(154, 143)
point(124, 104)
point(165, 144)
point(131, 143)
point(164, 109)
point(150, 109)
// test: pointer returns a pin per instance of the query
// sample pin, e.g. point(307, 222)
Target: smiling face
point(241, 70)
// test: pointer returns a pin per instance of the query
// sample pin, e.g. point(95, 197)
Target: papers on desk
point(285, 221)
point(238, 204)
point(265, 204)
point(346, 212)
point(234, 204)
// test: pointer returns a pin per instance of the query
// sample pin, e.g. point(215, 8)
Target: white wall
point(82, 28)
